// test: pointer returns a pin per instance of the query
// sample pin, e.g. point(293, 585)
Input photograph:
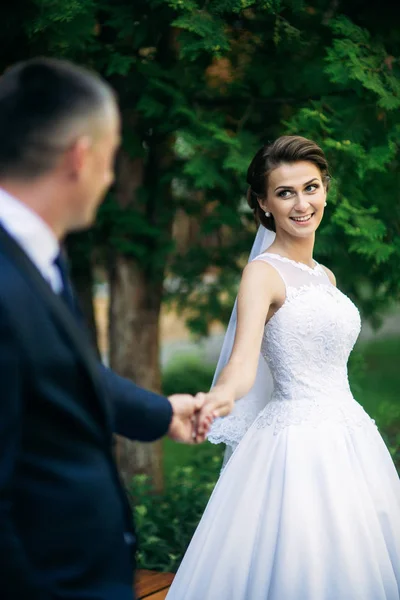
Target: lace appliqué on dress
point(280, 414)
point(231, 429)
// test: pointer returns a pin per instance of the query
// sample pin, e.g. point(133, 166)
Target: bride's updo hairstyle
point(285, 150)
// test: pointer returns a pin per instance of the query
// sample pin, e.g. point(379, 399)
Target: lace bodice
point(308, 341)
point(306, 345)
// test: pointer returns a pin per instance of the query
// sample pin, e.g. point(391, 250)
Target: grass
point(376, 386)
point(179, 455)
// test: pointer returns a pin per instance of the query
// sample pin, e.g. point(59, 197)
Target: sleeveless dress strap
point(295, 274)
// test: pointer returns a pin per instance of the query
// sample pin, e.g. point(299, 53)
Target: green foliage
point(64, 27)
point(357, 371)
point(166, 522)
point(187, 373)
point(208, 28)
point(353, 77)
point(356, 57)
point(202, 84)
point(376, 386)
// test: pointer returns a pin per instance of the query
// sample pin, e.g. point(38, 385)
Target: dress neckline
point(314, 270)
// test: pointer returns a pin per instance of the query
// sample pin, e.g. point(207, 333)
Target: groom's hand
point(183, 426)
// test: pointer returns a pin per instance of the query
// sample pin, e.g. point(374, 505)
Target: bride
point(308, 504)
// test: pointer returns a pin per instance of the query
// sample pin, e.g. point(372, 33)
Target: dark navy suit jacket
point(65, 524)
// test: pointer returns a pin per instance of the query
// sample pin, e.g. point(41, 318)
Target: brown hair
point(286, 149)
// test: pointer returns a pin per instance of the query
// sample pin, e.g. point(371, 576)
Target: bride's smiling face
point(295, 196)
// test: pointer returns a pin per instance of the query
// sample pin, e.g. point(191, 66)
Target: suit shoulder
point(16, 298)
point(11, 280)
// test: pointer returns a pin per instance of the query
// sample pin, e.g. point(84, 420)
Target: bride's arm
point(261, 289)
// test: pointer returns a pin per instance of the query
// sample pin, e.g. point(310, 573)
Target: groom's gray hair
point(45, 105)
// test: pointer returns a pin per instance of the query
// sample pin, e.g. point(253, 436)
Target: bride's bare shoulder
point(263, 277)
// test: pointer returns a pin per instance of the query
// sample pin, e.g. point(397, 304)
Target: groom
point(65, 524)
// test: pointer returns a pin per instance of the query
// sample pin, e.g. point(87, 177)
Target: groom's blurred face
point(93, 159)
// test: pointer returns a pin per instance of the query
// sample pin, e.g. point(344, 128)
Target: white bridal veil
point(230, 429)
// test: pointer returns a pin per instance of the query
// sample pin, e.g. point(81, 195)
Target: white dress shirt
point(33, 235)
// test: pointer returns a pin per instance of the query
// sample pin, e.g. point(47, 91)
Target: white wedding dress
point(308, 505)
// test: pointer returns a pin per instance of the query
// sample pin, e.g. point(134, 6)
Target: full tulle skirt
point(305, 513)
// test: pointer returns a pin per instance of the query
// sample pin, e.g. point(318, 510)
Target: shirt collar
point(29, 231)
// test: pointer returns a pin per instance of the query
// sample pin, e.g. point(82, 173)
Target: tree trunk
point(136, 287)
point(134, 353)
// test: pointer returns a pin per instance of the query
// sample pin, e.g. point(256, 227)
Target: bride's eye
point(284, 193)
point(312, 188)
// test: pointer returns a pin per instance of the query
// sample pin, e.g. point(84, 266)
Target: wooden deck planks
point(151, 585)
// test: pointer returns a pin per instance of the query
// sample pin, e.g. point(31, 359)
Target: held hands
point(192, 417)
point(184, 425)
point(219, 402)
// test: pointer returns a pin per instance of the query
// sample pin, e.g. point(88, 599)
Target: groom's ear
point(77, 156)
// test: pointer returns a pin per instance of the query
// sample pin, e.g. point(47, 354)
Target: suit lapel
point(61, 313)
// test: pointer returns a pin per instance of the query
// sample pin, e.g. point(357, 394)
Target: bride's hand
point(218, 402)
